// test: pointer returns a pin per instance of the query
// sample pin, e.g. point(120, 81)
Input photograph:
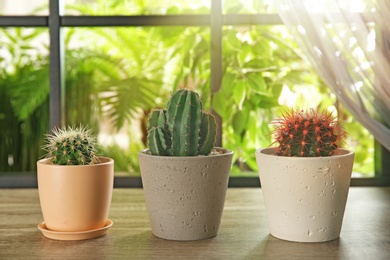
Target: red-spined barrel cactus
point(71, 146)
point(183, 129)
point(309, 133)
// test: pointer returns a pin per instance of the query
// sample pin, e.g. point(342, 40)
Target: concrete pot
point(305, 197)
point(75, 198)
point(185, 196)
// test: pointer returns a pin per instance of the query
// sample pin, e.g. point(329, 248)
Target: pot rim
point(106, 161)
point(269, 152)
point(226, 153)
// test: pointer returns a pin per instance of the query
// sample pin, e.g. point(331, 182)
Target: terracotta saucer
point(81, 235)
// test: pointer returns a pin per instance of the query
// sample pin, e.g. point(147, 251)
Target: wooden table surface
point(243, 232)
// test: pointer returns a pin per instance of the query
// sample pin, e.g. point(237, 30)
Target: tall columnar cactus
point(71, 146)
point(307, 134)
point(183, 129)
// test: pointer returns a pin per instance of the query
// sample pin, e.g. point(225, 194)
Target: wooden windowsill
point(243, 233)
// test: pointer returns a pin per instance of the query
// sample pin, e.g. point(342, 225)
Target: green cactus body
point(183, 129)
point(71, 146)
point(159, 137)
point(208, 131)
point(307, 134)
point(184, 116)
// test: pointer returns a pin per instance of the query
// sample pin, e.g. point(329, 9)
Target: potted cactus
point(184, 176)
point(75, 186)
point(305, 179)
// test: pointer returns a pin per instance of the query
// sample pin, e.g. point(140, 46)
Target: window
point(115, 75)
point(24, 93)
point(24, 7)
point(131, 7)
point(101, 57)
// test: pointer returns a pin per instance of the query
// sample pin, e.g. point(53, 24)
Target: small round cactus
point(71, 146)
point(307, 134)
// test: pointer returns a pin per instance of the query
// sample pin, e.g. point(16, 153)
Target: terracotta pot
point(185, 196)
point(305, 197)
point(75, 197)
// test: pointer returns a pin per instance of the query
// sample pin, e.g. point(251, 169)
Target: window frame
point(54, 21)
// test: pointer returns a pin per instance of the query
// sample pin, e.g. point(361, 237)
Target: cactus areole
point(311, 133)
point(71, 146)
point(183, 129)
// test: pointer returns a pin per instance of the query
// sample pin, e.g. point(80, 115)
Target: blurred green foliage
point(115, 76)
point(24, 90)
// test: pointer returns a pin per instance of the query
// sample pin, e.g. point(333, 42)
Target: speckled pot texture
point(305, 198)
point(185, 196)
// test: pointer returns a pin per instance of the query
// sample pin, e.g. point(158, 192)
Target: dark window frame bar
point(215, 20)
point(140, 20)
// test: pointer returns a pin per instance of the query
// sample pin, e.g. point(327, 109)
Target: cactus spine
point(71, 146)
point(307, 134)
point(183, 129)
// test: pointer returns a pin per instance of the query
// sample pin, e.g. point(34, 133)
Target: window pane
point(24, 98)
point(115, 76)
point(264, 74)
point(24, 7)
point(247, 6)
point(134, 7)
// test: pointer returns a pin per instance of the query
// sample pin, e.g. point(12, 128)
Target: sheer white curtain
point(348, 43)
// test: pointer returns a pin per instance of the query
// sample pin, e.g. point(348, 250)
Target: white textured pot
point(185, 196)
point(305, 197)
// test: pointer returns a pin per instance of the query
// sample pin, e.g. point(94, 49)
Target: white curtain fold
point(348, 43)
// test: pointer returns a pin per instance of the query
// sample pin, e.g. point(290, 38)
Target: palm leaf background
point(24, 89)
point(120, 74)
